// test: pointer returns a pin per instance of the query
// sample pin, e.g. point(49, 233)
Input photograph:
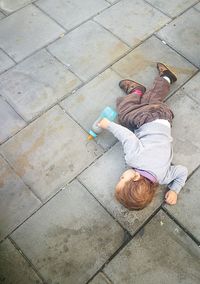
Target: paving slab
point(26, 31)
point(112, 1)
point(88, 49)
point(17, 201)
point(1, 16)
point(171, 7)
point(10, 6)
point(73, 12)
point(10, 121)
point(100, 278)
point(50, 152)
point(70, 237)
point(5, 61)
point(140, 64)
point(186, 138)
point(14, 268)
point(160, 253)
point(183, 34)
point(197, 7)
point(88, 102)
point(132, 21)
point(187, 209)
point(37, 83)
point(107, 171)
point(192, 88)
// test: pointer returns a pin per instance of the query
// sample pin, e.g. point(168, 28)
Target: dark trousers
point(134, 110)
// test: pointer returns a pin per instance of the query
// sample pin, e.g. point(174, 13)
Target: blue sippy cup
point(108, 113)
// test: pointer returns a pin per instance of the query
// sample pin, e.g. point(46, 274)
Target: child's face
point(126, 176)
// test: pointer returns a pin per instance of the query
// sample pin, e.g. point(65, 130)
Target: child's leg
point(130, 102)
point(126, 107)
point(161, 85)
point(158, 93)
point(134, 111)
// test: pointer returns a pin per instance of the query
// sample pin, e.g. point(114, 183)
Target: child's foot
point(129, 86)
point(165, 72)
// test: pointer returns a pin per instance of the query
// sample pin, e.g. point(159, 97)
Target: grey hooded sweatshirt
point(149, 149)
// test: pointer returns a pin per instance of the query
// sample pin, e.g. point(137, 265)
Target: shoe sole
point(174, 78)
point(143, 89)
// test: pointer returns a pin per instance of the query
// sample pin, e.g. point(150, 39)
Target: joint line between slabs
point(187, 232)
point(27, 259)
point(178, 52)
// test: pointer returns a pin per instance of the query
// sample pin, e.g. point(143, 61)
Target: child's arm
point(177, 176)
point(120, 132)
point(128, 139)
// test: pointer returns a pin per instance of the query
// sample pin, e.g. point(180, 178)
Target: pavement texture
point(60, 64)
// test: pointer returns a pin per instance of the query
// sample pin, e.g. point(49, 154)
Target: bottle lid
point(92, 135)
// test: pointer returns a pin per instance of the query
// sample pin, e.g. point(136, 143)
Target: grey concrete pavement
point(160, 253)
point(60, 64)
point(37, 83)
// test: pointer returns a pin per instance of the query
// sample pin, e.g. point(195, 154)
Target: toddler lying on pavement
point(145, 134)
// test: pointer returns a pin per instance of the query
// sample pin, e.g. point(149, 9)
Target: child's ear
point(136, 176)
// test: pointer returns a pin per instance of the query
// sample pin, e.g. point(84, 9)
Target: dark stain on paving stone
point(49, 170)
point(23, 161)
point(65, 248)
point(68, 268)
point(90, 147)
point(59, 230)
point(127, 253)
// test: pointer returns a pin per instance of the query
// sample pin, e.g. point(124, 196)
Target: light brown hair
point(136, 195)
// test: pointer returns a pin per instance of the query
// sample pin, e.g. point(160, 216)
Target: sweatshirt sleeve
point(177, 176)
point(128, 139)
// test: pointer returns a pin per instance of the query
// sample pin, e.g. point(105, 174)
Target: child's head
point(134, 191)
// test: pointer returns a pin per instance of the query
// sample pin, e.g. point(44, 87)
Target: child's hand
point(171, 197)
point(103, 123)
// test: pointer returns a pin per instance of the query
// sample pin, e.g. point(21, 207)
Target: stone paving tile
point(183, 34)
point(9, 6)
point(160, 253)
point(132, 21)
point(37, 83)
point(107, 171)
point(14, 268)
point(186, 138)
point(171, 7)
point(1, 16)
point(50, 152)
point(140, 64)
point(88, 102)
point(192, 88)
point(70, 237)
point(32, 30)
point(10, 121)
point(187, 209)
point(112, 1)
point(198, 7)
point(100, 278)
point(5, 62)
point(17, 201)
point(71, 13)
point(88, 49)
